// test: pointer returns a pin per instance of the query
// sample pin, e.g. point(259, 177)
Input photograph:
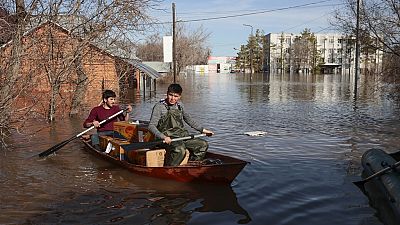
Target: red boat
point(220, 169)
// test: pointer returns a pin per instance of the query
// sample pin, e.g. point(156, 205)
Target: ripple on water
point(300, 172)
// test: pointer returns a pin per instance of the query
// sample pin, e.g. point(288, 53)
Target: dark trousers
point(176, 151)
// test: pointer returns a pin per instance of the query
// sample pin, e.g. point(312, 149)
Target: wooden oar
point(360, 184)
point(145, 145)
point(62, 144)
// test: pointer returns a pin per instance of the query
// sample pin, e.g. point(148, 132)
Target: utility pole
point(282, 59)
point(351, 49)
point(314, 55)
point(244, 58)
point(251, 48)
point(173, 41)
point(357, 63)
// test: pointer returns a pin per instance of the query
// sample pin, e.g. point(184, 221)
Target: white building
point(336, 54)
point(215, 64)
point(221, 64)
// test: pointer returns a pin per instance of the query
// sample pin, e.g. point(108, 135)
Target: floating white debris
point(256, 133)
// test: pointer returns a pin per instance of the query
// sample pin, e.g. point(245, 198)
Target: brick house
point(67, 70)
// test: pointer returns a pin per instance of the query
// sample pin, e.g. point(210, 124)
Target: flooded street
point(300, 173)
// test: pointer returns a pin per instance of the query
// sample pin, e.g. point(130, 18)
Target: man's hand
point(167, 140)
point(208, 132)
point(128, 108)
point(96, 123)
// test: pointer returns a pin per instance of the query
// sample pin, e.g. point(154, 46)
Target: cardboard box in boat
point(144, 157)
point(116, 148)
point(150, 158)
point(127, 130)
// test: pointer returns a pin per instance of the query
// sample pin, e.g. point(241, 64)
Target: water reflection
point(319, 87)
point(142, 200)
point(301, 172)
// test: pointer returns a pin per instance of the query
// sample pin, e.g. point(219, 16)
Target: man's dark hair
point(175, 88)
point(109, 94)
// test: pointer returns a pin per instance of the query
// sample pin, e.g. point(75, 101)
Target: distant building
point(336, 54)
point(215, 64)
point(221, 64)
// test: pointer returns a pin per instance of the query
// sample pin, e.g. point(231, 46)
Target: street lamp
point(251, 48)
point(247, 25)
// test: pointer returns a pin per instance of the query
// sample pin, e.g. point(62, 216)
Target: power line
point(255, 13)
point(326, 28)
point(306, 22)
point(243, 10)
point(242, 14)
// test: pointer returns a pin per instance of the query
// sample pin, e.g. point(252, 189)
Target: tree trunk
point(8, 92)
point(55, 88)
point(81, 86)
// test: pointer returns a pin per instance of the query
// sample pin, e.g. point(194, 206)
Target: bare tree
point(10, 69)
point(151, 49)
point(192, 48)
point(379, 26)
point(104, 23)
point(7, 25)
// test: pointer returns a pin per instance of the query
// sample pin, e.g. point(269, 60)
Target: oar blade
point(55, 148)
point(360, 185)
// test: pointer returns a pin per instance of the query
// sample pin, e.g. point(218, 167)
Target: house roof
point(161, 67)
point(145, 68)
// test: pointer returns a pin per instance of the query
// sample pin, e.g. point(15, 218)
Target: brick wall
point(48, 54)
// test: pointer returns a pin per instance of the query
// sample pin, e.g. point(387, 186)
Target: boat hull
point(383, 191)
point(225, 172)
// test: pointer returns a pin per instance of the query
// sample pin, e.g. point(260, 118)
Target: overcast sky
point(224, 19)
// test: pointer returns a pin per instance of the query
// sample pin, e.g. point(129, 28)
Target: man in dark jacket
point(167, 122)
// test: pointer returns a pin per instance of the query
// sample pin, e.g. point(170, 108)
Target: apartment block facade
point(335, 53)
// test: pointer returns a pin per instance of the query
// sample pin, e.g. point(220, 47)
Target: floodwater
point(300, 173)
